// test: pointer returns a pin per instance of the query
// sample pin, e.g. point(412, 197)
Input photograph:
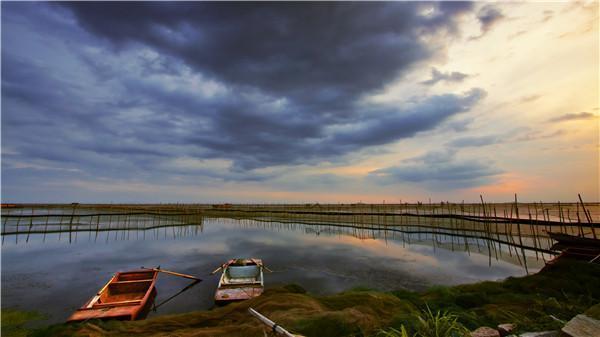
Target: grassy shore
point(534, 303)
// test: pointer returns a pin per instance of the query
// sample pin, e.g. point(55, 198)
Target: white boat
point(241, 279)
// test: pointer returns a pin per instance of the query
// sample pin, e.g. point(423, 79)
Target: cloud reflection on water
point(323, 264)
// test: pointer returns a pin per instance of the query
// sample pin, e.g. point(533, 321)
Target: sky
point(299, 102)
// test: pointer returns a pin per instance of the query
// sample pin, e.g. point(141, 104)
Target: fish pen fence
point(23, 221)
point(522, 220)
point(515, 221)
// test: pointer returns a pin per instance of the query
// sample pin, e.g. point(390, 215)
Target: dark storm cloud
point(426, 115)
point(17, 78)
point(437, 76)
point(122, 89)
point(258, 140)
point(321, 55)
point(47, 117)
point(288, 139)
point(438, 170)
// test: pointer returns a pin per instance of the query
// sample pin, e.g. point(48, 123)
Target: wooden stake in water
point(46, 226)
point(587, 215)
point(519, 230)
point(487, 231)
point(108, 231)
point(4, 225)
point(497, 231)
point(18, 221)
point(560, 217)
point(97, 227)
point(71, 223)
point(30, 225)
point(532, 229)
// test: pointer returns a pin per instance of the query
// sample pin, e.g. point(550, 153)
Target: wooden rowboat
point(242, 279)
point(127, 296)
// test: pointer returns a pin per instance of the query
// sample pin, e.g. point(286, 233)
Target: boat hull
point(127, 296)
point(242, 284)
point(226, 295)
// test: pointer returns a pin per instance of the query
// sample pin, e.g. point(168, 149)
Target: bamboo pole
point(519, 233)
point(46, 225)
point(174, 273)
point(18, 221)
point(272, 325)
point(30, 225)
point(497, 232)
point(97, 227)
point(71, 223)
point(532, 229)
point(587, 215)
point(488, 233)
point(4, 226)
point(5, 217)
point(109, 223)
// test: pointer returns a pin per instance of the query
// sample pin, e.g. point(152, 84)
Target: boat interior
point(247, 274)
point(126, 288)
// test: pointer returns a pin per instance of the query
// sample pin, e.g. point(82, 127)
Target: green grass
point(594, 311)
point(13, 322)
point(428, 324)
point(569, 288)
point(391, 332)
point(330, 324)
point(440, 324)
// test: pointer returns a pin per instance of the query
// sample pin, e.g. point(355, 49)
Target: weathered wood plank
point(582, 326)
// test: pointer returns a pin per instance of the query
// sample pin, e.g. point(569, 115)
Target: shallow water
point(55, 277)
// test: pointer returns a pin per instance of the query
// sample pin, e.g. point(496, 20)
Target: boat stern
point(225, 295)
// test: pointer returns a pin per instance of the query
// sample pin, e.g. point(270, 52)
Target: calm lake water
point(55, 277)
